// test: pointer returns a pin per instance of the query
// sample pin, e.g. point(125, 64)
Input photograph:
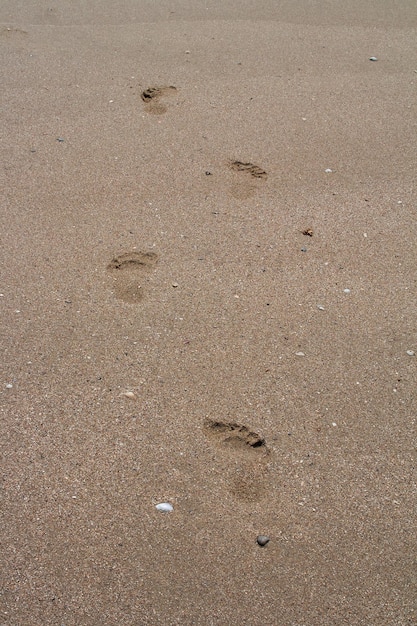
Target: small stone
point(129, 394)
point(411, 353)
point(303, 249)
point(164, 507)
point(9, 386)
point(328, 170)
point(373, 59)
point(320, 307)
point(346, 290)
point(175, 285)
point(60, 139)
point(262, 540)
point(299, 354)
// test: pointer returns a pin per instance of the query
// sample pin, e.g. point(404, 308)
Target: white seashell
point(411, 353)
point(164, 507)
point(299, 354)
point(129, 394)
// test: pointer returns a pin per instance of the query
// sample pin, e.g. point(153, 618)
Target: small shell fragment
point(299, 354)
point(320, 307)
point(129, 394)
point(164, 507)
point(411, 353)
point(373, 59)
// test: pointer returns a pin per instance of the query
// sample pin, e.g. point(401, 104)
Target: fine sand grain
point(208, 299)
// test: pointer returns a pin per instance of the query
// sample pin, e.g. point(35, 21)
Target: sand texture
point(208, 298)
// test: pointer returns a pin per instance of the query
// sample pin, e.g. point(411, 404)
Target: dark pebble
point(262, 540)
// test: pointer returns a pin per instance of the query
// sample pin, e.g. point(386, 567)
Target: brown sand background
point(288, 87)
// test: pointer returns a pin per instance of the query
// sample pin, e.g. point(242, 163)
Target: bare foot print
point(128, 274)
point(249, 168)
point(152, 98)
point(236, 436)
point(250, 176)
point(244, 458)
point(10, 32)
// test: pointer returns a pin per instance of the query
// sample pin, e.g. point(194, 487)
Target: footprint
point(250, 168)
point(128, 273)
point(50, 15)
point(133, 259)
point(151, 97)
point(235, 436)
point(249, 178)
point(11, 32)
point(249, 484)
point(244, 460)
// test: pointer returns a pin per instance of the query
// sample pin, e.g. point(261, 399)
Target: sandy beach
point(208, 299)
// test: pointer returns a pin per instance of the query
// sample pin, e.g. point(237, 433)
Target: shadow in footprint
point(236, 436)
point(249, 168)
point(128, 273)
point(152, 98)
point(245, 455)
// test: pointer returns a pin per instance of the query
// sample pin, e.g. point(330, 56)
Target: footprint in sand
point(249, 168)
point(244, 458)
point(249, 177)
point(152, 98)
point(10, 32)
point(128, 272)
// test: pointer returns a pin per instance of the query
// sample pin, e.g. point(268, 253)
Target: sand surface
point(187, 246)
